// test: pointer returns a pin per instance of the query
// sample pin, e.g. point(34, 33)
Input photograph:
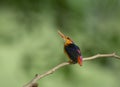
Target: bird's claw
point(71, 62)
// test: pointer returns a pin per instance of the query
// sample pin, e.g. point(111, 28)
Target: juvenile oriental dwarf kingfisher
point(71, 49)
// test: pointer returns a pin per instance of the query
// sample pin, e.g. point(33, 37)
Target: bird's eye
point(68, 38)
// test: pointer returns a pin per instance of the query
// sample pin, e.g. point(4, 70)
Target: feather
point(73, 53)
point(80, 60)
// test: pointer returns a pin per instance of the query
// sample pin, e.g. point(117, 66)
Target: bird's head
point(66, 39)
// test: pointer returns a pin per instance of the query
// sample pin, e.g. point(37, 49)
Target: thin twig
point(33, 82)
point(101, 56)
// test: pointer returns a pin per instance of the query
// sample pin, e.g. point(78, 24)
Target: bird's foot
point(71, 62)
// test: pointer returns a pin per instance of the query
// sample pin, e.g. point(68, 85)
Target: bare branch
point(39, 76)
point(33, 82)
point(101, 56)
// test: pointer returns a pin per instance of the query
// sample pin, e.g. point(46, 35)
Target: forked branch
point(33, 82)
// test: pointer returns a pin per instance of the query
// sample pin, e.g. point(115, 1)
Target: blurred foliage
point(29, 43)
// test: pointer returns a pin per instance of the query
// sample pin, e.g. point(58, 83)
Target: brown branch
point(33, 82)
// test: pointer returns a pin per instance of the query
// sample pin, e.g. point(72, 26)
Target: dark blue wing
point(73, 52)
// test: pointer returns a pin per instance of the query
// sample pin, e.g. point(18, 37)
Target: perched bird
point(71, 50)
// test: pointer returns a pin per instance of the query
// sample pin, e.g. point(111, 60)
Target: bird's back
point(73, 52)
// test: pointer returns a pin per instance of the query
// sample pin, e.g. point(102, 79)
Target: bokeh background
point(30, 44)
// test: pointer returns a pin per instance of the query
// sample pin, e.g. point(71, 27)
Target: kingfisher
point(71, 49)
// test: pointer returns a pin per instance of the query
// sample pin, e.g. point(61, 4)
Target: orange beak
point(62, 35)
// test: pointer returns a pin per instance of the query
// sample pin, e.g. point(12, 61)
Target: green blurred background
point(29, 43)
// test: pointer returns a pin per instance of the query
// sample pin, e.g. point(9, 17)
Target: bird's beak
point(62, 35)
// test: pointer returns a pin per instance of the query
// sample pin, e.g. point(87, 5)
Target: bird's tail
point(80, 60)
